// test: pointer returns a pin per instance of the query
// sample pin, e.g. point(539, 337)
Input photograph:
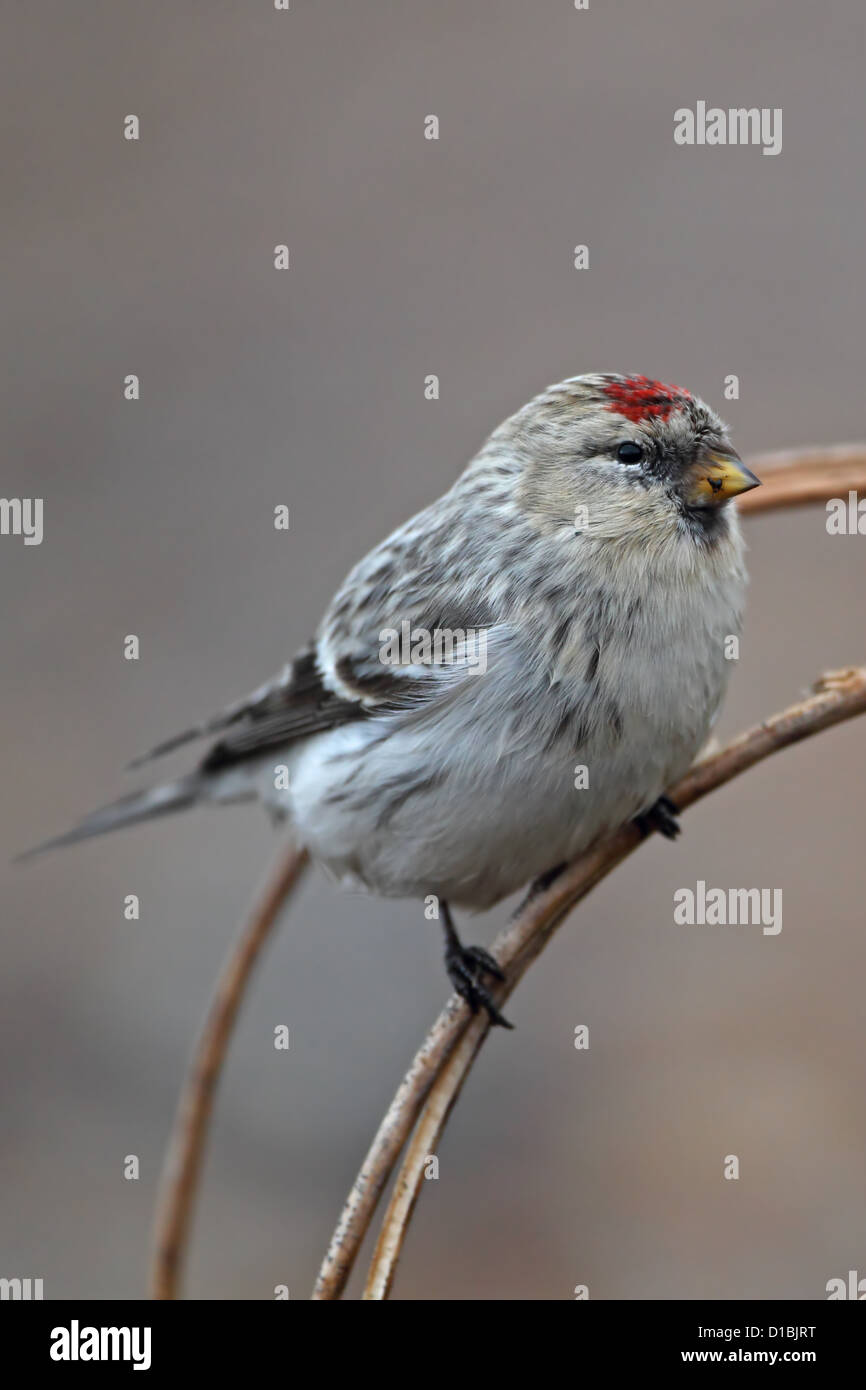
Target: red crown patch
point(637, 398)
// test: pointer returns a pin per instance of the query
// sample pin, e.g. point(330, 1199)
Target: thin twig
point(441, 1100)
point(838, 696)
point(797, 477)
point(183, 1163)
point(385, 1149)
point(789, 478)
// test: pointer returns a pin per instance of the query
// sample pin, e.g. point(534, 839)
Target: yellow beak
point(715, 478)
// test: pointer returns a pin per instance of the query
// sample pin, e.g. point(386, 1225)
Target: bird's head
point(633, 454)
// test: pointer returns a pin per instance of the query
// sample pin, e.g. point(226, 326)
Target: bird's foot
point(661, 817)
point(543, 882)
point(538, 885)
point(466, 966)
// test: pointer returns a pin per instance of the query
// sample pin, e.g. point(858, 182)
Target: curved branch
point(182, 1167)
point(796, 477)
point(424, 1142)
point(838, 696)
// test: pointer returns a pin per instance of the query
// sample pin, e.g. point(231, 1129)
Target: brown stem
point(838, 696)
point(796, 477)
point(183, 1162)
point(441, 1100)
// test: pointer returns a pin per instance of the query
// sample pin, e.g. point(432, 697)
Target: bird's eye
point(629, 452)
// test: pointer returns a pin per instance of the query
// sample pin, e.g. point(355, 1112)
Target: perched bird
point(516, 671)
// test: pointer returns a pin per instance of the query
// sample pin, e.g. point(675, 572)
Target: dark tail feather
point(206, 729)
point(139, 806)
point(177, 741)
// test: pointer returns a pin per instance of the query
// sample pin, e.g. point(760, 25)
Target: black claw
point(487, 965)
point(466, 965)
point(497, 1020)
point(544, 880)
point(662, 816)
point(538, 885)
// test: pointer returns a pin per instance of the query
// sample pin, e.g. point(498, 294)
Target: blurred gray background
point(411, 257)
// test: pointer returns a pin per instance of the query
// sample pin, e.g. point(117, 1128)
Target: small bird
point(514, 673)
